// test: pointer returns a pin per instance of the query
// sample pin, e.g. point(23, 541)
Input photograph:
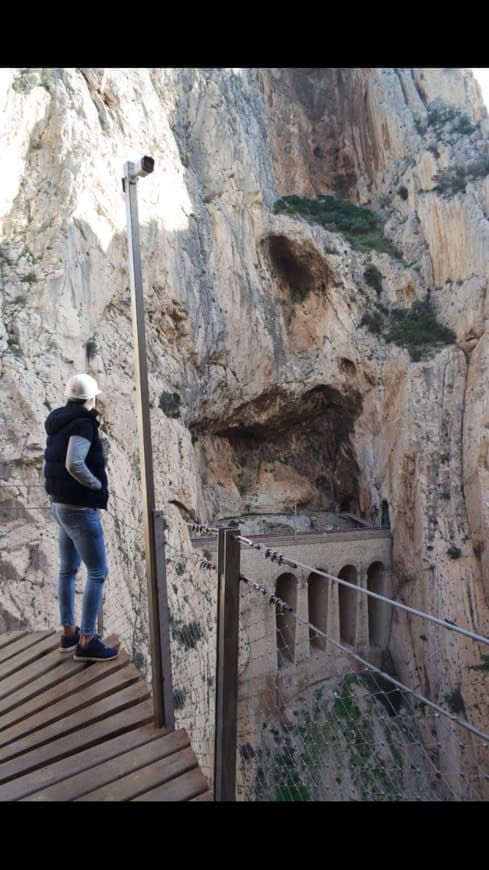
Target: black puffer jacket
point(60, 425)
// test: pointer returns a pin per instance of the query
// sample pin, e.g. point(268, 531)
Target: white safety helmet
point(81, 387)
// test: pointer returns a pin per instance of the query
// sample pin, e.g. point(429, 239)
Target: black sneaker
point(95, 651)
point(66, 644)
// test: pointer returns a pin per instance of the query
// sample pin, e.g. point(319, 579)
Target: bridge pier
point(302, 642)
point(333, 624)
point(361, 627)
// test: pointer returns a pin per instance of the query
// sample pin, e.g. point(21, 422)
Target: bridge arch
point(286, 589)
point(317, 608)
point(378, 611)
point(348, 605)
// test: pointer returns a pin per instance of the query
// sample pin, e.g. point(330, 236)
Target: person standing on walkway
point(76, 481)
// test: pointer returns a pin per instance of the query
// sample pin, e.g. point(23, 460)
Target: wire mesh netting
point(316, 721)
point(193, 608)
point(28, 553)
point(331, 709)
point(28, 579)
point(192, 604)
point(29, 542)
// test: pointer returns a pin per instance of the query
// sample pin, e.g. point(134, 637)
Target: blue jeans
point(80, 538)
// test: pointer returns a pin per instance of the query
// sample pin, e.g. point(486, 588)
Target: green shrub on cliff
point(360, 226)
point(418, 330)
point(454, 179)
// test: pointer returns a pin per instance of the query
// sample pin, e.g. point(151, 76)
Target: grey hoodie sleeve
point(76, 454)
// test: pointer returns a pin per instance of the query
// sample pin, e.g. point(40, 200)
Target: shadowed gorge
point(314, 249)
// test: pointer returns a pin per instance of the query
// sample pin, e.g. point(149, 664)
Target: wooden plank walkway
point(84, 731)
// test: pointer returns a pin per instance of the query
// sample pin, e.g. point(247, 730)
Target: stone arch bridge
point(278, 643)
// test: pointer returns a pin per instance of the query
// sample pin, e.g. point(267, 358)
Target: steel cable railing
point(317, 719)
point(301, 737)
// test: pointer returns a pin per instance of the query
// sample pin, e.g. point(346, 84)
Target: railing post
point(228, 572)
point(163, 623)
point(131, 173)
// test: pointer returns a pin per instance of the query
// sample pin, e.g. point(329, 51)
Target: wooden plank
point(38, 783)
point(205, 796)
point(106, 684)
point(8, 636)
point(24, 657)
point(76, 721)
point(21, 644)
point(184, 788)
point(61, 664)
point(113, 770)
point(106, 729)
point(55, 693)
point(26, 678)
point(133, 784)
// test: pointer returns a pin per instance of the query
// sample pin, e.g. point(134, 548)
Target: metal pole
point(129, 183)
point(227, 665)
point(164, 620)
point(218, 717)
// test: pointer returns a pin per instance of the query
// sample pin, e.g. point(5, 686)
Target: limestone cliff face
point(268, 390)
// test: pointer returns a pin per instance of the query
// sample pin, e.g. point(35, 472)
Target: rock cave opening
point(297, 267)
point(282, 454)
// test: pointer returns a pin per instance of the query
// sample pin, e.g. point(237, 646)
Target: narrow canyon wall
point(269, 392)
